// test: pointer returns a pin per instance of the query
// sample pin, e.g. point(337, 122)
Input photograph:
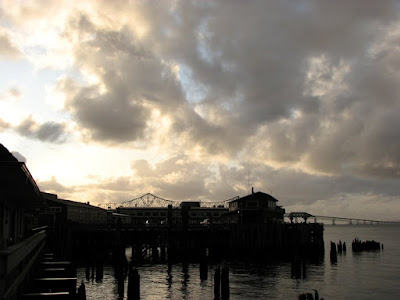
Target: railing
point(16, 261)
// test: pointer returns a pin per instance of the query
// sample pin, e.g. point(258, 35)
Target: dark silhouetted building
point(255, 208)
point(20, 239)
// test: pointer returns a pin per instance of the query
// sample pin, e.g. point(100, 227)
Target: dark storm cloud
point(132, 79)
point(47, 132)
point(312, 83)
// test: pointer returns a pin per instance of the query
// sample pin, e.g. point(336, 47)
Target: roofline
point(259, 192)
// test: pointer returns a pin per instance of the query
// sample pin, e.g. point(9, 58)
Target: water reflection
point(185, 278)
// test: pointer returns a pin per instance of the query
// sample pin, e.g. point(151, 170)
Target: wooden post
point(120, 281)
point(92, 267)
point(333, 253)
point(81, 292)
point(163, 253)
point(225, 283)
point(133, 284)
point(340, 247)
point(87, 270)
point(203, 269)
point(154, 251)
point(99, 271)
point(304, 267)
point(217, 284)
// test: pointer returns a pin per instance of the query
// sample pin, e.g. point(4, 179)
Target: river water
point(356, 276)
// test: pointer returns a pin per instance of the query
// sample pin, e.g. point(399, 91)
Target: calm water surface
point(368, 275)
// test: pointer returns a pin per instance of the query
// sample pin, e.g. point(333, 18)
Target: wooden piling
point(120, 282)
point(81, 292)
point(333, 253)
point(163, 254)
point(203, 269)
point(87, 270)
point(217, 284)
point(99, 271)
point(225, 283)
point(133, 284)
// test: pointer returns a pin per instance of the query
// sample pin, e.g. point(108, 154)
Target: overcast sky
point(203, 100)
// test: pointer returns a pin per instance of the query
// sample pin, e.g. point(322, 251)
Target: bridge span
point(294, 217)
point(149, 200)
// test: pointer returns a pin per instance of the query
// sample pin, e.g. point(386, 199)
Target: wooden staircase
point(54, 279)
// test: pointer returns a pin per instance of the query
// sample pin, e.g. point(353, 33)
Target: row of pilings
point(231, 240)
point(209, 243)
point(356, 246)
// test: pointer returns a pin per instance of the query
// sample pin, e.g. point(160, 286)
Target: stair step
point(58, 284)
point(56, 295)
point(55, 272)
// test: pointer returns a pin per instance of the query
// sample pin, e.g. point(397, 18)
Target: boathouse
point(256, 208)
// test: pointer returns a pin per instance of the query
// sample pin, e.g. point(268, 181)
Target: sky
point(202, 100)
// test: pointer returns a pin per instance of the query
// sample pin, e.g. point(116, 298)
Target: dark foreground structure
point(262, 241)
point(42, 237)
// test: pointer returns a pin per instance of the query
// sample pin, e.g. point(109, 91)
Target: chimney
point(252, 190)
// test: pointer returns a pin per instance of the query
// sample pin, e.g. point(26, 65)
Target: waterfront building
point(159, 215)
point(256, 208)
point(61, 210)
point(20, 238)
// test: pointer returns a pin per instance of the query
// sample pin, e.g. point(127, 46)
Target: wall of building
point(141, 215)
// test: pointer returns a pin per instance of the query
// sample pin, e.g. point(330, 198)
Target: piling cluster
point(310, 296)
point(358, 245)
point(336, 249)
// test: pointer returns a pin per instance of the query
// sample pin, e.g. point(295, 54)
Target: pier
point(304, 217)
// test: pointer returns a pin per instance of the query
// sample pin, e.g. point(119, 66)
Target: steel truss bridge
point(150, 200)
point(294, 216)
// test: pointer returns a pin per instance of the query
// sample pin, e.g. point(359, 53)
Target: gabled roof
point(257, 196)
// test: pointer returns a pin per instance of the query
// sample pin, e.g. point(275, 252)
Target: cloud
point(53, 186)
point(131, 81)
point(7, 48)
point(181, 178)
point(305, 93)
point(4, 125)
point(298, 87)
point(46, 132)
point(11, 93)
